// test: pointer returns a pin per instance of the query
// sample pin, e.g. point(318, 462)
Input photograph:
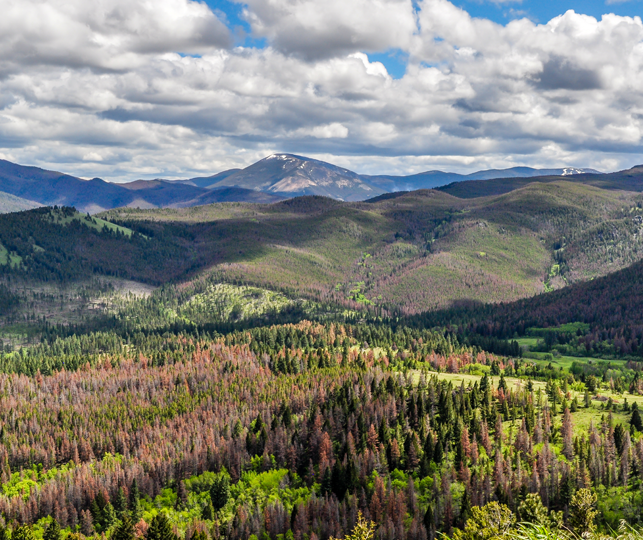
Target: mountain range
point(271, 179)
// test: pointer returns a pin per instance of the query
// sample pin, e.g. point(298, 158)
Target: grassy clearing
point(581, 419)
point(527, 342)
point(566, 362)
point(8, 258)
point(91, 222)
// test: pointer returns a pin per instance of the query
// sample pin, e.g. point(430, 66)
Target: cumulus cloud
point(102, 90)
point(105, 34)
point(313, 30)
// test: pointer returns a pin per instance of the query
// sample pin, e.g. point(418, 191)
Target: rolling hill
point(415, 251)
point(408, 253)
point(601, 317)
point(627, 180)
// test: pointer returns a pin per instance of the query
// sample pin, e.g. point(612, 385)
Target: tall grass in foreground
point(532, 531)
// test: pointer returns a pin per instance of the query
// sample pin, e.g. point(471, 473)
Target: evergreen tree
point(120, 504)
point(198, 535)
point(207, 512)
point(181, 496)
point(635, 420)
point(533, 511)
point(493, 520)
point(124, 530)
point(220, 492)
point(327, 485)
point(134, 503)
point(52, 532)
point(465, 507)
point(109, 516)
point(160, 528)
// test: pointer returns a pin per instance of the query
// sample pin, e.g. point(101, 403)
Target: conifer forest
point(173, 399)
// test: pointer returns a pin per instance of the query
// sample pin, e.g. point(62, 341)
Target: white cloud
point(104, 34)
point(327, 131)
point(313, 30)
point(83, 93)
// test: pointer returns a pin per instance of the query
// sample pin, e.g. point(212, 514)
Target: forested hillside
point(301, 369)
point(420, 250)
point(609, 310)
point(627, 180)
point(405, 254)
point(295, 430)
point(61, 245)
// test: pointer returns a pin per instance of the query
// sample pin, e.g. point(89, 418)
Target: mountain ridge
point(277, 177)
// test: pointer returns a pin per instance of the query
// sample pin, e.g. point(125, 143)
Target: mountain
point(291, 175)
point(278, 176)
point(11, 203)
point(435, 179)
point(208, 181)
point(28, 187)
point(230, 194)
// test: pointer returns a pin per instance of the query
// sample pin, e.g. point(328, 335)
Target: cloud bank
point(130, 89)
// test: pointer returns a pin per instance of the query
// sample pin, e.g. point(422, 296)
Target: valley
point(239, 369)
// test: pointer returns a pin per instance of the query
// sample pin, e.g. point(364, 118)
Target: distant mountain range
point(274, 178)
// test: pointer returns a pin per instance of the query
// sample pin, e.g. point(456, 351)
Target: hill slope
point(417, 251)
point(420, 250)
point(609, 310)
point(628, 180)
point(11, 203)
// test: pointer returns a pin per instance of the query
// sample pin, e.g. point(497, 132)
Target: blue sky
point(499, 12)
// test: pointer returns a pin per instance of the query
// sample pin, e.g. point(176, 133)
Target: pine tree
point(109, 516)
point(567, 434)
point(86, 523)
point(52, 532)
point(635, 420)
point(181, 495)
point(160, 528)
point(363, 530)
point(120, 504)
point(207, 512)
point(198, 535)
point(465, 507)
point(533, 511)
point(582, 511)
point(326, 485)
point(220, 492)
point(125, 530)
point(134, 503)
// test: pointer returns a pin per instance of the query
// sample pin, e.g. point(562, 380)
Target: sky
point(177, 88)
